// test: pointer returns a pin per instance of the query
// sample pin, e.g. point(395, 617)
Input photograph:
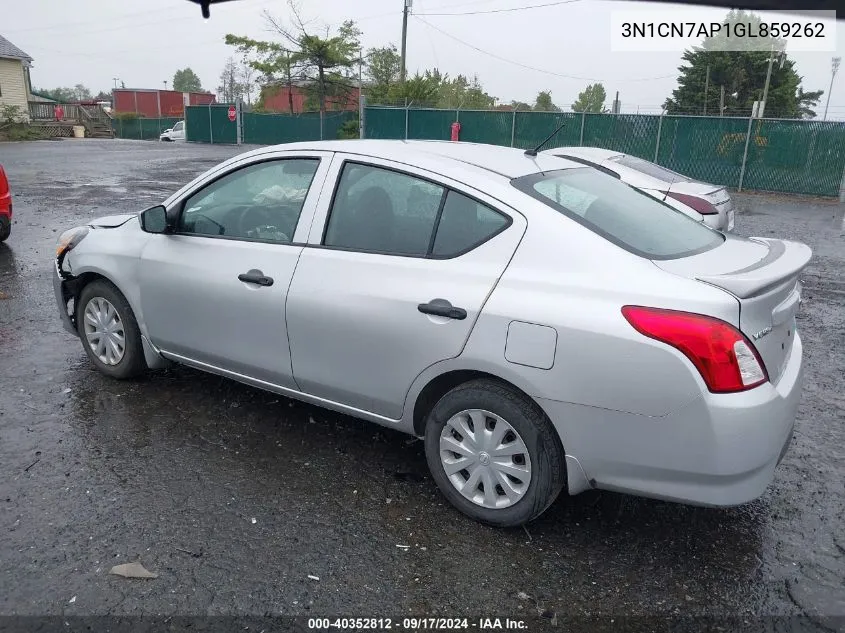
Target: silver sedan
point(708, 203)
point(542, 325)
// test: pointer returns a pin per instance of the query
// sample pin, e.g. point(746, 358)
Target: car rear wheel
point(109, 331)
point(5, 228)
point(494, 454)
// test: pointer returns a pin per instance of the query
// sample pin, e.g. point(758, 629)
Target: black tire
point(132, 364)
point(5, 228)
point(548, 465)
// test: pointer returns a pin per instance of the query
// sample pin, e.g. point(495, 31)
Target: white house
point(14, 77)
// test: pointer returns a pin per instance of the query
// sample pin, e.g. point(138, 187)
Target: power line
point(526, 66)
point(532, 6)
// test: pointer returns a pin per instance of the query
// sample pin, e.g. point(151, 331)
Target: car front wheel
point(494, 454)
point(5, 228)
point(109, 331)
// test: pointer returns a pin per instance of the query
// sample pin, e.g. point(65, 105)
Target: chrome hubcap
point(485, 458)
point(104, 331)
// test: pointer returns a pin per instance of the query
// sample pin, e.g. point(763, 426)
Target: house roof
point(7, 49)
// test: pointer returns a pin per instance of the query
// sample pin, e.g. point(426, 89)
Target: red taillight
point(726, 359)
point(4, 184)
point(694, 202)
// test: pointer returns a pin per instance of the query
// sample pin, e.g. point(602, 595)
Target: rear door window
point(620, 213)
point(380, 210)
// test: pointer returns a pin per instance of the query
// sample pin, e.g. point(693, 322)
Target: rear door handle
point(441, 307)
point(255, 276)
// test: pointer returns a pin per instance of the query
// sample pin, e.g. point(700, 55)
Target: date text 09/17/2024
point(418, 624)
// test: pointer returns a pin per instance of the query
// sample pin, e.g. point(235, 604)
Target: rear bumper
point(719, 450)
point(64, 291)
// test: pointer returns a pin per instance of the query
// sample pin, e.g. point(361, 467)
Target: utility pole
point(706, 88)
point(165, 84)
point(834, 67)
point(766, 87)
point(115, 79)
point(722, 101)
point(405, 12)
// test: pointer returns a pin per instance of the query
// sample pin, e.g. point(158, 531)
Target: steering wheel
point(259, 219)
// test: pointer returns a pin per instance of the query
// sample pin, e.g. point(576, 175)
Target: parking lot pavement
point(236, 497)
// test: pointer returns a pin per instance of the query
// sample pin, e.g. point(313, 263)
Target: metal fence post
point(210, 128)
point(745, 154)
point(362, 100)
point(513, 128)
point(583, 119)
point(239, 133)
point(458, 115)
point(406, 121)
point(659, 132)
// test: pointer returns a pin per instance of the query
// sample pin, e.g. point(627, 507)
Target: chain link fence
point(785, 155)
point(211, 124)
point(142, 129)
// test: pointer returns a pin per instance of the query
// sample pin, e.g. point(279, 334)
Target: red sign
point(232, 113)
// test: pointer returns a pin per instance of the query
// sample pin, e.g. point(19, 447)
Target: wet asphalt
point(234, 496)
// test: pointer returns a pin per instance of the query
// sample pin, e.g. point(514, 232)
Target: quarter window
point(464, 225)
point(383, 211)
point(259, 202)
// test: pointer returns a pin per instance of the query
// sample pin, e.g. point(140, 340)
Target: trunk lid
point(762, 274)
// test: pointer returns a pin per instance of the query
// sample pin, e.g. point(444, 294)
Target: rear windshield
point(650, 169)
point(625, 216)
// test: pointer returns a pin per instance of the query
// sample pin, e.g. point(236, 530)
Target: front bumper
point(64, 290)
point(719, 450)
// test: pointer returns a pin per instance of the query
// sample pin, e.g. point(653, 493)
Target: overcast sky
point(144, 43)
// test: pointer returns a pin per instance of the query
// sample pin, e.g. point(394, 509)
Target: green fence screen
point(791, 156)
point(210, 124)
point(142, 129)
point(270, 129)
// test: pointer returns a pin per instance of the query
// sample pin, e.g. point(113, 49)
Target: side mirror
point(154, 220)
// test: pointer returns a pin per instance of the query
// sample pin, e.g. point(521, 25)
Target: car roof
point(508, 162)
point(594, 154)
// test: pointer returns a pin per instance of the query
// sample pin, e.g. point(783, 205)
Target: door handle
point(441, 307)
point(255, 276)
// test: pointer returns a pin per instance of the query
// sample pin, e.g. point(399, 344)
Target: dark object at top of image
point(205, 4)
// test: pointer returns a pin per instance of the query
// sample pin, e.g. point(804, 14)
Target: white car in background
point(709, 203)
point(176, 133)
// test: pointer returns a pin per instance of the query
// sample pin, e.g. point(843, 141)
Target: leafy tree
point(590, 99)
point(383, 71)
point(186, 80)
point(544, 103)
point(419, 89)
point(231, 87)
point(102, 96)
point(324, 62)
point(65, 95)
point(462, 93)
point(743, 75)
point(520, 105)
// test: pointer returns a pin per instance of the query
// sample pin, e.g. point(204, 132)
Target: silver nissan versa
point(543, 325)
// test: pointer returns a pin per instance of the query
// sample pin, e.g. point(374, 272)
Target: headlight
point(69, 239)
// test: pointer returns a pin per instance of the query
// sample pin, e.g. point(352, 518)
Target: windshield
point(650, 169)
point(625, 216)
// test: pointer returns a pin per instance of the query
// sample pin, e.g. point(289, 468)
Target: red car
point(5, 206)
